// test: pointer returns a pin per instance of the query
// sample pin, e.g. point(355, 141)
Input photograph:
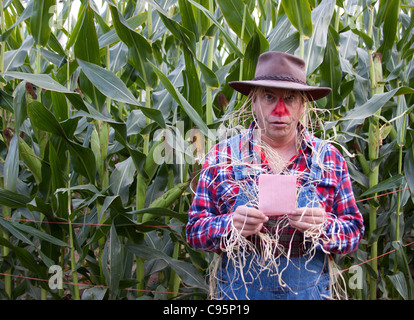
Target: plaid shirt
point(215, 196)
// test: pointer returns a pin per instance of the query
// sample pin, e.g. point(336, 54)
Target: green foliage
point(84, 97)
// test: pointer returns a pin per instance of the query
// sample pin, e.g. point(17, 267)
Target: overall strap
point(239, 168)
point(318, 154)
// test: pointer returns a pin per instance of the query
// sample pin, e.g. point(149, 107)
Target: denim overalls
point(305, 279)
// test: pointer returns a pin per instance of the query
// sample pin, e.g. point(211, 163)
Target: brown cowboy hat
point(283, 71)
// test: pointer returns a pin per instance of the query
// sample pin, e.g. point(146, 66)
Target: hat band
point(280, 78)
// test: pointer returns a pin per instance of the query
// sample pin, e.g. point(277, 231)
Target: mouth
point(278, 124)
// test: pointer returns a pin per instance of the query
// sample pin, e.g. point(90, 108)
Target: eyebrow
point(286, 92)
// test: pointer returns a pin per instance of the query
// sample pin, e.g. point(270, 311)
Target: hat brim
point(313, 93)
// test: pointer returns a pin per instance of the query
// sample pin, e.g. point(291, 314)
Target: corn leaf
point(331, 71)
point(402, 261)
point(194, 116)
point(409, 168)
point(75, 32)
point(107, 82)
point(113, 87)
point(39, 234)
point(12, 199)
point(315, 46)
point(251, 57)
point(194, 91)
point(15, 232)
point(40, 20)
point(115, 262)
point(187, 17)
point(300, 15)
point(43, 119)
point(388, 184)
point(186, 36)
point(140, 51)
point(87, 49)
point(16, 58)
point(26, 259)
point(374, 104)
point(398, 281)
point(225, 34)
point(186, 271)
point(209, 76)
point(84, 160)
point(111, 37)
point(122, 178)
point(388, 14)
point(41, 80)
point(11, 165)
point(57, 167)
point(234, 17)
point(60, 106)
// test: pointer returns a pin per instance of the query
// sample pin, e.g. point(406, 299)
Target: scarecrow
point(274, 201)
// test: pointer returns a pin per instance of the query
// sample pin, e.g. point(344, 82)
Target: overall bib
point(302, 278)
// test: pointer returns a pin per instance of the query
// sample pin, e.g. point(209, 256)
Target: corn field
point(97, 157)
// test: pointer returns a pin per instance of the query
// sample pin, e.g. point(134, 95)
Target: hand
point(306, 218)
point(248, 220)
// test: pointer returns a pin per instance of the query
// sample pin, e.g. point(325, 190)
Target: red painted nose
point(280, 109)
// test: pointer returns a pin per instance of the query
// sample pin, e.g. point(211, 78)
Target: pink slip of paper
point(277, 194)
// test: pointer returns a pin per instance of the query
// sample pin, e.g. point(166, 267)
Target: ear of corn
point(170, 196)
point(30, 159)
point(151, 166)
point(167, 199)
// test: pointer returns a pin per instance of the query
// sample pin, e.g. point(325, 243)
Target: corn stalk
point(373, 151)
point(374, 146)
point(6, 212)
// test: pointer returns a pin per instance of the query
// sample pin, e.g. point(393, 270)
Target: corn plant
point(97, 164)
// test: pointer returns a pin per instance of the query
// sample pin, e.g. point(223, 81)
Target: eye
point(269, 97)
point(290, 98)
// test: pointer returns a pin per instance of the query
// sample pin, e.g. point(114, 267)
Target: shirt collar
point(306, 142)
point(251, 137)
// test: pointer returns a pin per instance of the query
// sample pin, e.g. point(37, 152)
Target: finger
point(247, 229)
point(308, 212)
point(249, 222)
point(308, 219)
point(248, 232)
point(305, 211)
point(303, 226)
point(251, 213)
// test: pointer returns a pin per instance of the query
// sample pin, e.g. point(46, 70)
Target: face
point(278, 112)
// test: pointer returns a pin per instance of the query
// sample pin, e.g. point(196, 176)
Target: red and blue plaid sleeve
point(207, 225)
point(344, 225)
